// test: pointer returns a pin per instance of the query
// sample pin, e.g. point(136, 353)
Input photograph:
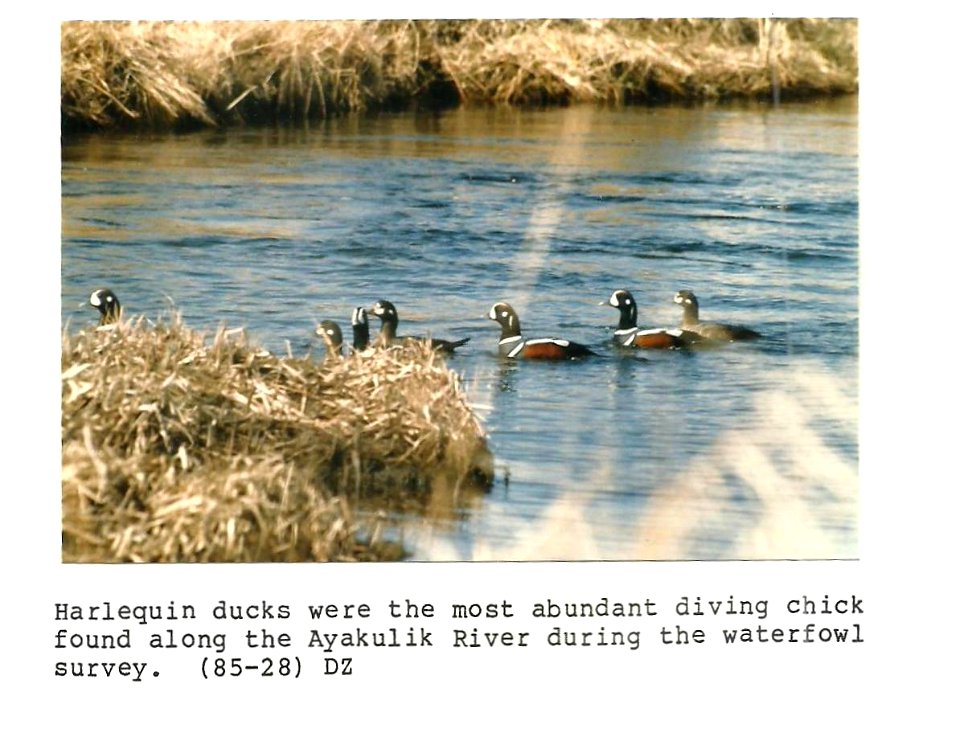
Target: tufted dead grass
point(168, 74)
point(175, 449)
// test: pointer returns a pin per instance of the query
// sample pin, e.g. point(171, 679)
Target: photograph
point(295, 257)
point(463, 290)
point(565, 357)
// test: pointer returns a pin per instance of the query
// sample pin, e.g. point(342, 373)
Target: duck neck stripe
point(660, 330)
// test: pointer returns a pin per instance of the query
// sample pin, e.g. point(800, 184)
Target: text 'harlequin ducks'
point(628, 334)
point(512, 344)
point(389, 319)
point(711, 330)
point(106, 302)
point(331, 335)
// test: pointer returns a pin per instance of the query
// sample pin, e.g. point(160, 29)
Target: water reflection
point(773, 487)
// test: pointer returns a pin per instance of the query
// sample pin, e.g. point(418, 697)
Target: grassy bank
point(181, 74)
point(175, 449)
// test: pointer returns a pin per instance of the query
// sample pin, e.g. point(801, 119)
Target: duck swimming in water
point(711, 330)
point(389, 319)
point(105, 301)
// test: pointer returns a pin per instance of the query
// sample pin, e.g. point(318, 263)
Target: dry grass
point(179, 450)
point(161, 74)
point(214, 73)
point(634, 61)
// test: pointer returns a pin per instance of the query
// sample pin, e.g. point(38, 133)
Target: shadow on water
point(779, 482)
point(746, 452)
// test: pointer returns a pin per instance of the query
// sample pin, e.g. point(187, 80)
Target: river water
point(746, 452)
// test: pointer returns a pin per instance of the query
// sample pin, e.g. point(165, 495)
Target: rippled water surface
point(745, 452)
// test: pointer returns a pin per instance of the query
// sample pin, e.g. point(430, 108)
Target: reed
point(164, 75)
point(179, 450)
point(640, 61)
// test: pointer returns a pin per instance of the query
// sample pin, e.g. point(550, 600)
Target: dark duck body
point(361, 329)
point(710, 330)
point(105, 301)
point(389, 319)
point(513, 345)
point(628, 334)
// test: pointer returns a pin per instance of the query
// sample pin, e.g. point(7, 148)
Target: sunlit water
point(745, 452)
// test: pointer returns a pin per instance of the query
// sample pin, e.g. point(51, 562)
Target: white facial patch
point(95, 298)
point(614, 301)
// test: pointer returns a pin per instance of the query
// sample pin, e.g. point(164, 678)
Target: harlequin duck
point(512, 344)
point(332, 337)
point(388, 329)
point(628, 334)
point(105, 301)
point(711, 330)
point(361, 329)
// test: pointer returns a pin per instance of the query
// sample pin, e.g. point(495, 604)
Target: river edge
point(183, 75)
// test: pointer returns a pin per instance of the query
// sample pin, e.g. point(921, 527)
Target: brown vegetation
point(214, 73)
point(179, 450)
